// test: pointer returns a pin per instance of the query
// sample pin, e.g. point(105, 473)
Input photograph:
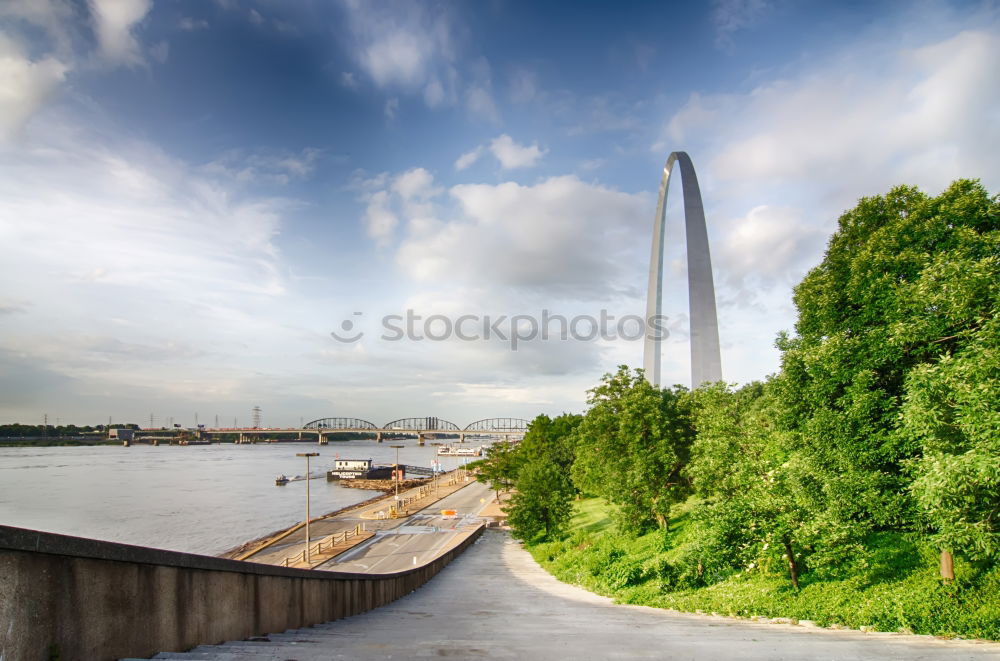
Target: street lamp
point(307, 455)
point(395, 473)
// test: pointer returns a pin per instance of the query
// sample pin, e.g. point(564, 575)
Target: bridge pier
point(322, 441)
point(461, 438)
point(378, 437)
point(300, 436)
point(420, 438)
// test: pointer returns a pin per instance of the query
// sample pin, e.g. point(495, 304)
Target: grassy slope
point(898, 588)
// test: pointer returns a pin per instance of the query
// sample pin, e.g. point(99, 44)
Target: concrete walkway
point(282, 545)
point(496, 602)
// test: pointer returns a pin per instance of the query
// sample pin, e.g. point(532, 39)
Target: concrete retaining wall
point(71, 599)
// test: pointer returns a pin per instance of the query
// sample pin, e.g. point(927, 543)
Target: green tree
point(761, 499)
point(952, 409)
point(631, 447)
point(552, 439)
point(499, 467)
point(542, 505)
point(884, 301)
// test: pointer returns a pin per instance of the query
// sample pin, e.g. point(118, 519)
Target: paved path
point(495, 602)
point(292, 546)
point(422, 537)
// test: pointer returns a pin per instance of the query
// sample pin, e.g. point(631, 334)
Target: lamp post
point(395, 473)
point(307, 455)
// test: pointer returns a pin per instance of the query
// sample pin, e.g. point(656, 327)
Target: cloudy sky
point(194, 195)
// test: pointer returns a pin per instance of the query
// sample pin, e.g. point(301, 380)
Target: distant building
point(122, 434)
point(349, 469)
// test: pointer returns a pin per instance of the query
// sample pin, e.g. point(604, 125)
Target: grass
point(896, 588)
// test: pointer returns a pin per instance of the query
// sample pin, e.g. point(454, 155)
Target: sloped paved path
point(496, 602)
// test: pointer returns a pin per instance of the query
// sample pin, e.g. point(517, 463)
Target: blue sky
point(193, 195)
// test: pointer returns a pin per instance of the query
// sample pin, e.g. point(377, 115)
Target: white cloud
point(509, 154)
point(54, 17)
point(417, 183)
point(348, 80)
point(88, 224)
point(512, 155)
point(189, 24)
point(379, 218)
point(479, 102)
point(114, 21)
point(127, 254)
point(467, 159)
point(561, 236)
point(922, 115)
point(399, 57)
point(391, 108)
point(731, 16)
point(160, 51)
point(264, 166)
point(523, 86)
point(434, 94)
point(409, 194)
point(769, 243)
point(398, 47)
point(411, 49)
point(24, 85)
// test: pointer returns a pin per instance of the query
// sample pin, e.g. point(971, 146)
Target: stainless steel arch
point(339, 423)
point(706, 359)
point(422, 424)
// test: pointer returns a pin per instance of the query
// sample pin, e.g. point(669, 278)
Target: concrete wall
point(70, 598)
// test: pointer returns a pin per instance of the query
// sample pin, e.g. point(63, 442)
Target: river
point(197, 498)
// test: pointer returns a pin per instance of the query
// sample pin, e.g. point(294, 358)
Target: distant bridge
point(429, 424)
point(420, 427)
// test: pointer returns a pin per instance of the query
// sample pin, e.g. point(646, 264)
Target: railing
point(330, 541)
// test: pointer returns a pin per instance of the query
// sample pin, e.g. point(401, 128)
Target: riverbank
point(894, 588)
point(369, 514)
point(54, 441)
point(200, 499)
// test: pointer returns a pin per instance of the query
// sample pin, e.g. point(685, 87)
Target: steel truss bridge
point(421, 428)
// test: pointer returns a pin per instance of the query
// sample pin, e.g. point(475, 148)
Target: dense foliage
point(874, 448)
point(894, 588)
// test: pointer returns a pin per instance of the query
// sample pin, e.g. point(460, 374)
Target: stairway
point(311, 643)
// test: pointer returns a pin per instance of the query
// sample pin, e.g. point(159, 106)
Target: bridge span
point(421, 428)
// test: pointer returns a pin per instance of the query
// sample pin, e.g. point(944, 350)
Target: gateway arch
point(706, 361)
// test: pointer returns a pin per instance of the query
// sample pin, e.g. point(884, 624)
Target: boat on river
point(452, 451)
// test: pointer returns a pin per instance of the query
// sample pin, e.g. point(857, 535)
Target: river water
point(196, 498)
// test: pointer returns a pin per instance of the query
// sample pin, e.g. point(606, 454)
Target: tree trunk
point(793, 569)
point(947, 566)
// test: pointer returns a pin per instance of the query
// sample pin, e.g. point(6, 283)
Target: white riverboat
point(452, 451)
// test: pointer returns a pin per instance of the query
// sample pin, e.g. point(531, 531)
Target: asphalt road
point(420, 539)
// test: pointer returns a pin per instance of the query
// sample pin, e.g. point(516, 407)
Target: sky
point(198, 197)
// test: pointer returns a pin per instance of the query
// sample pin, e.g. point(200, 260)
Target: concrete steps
point(290, 644)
